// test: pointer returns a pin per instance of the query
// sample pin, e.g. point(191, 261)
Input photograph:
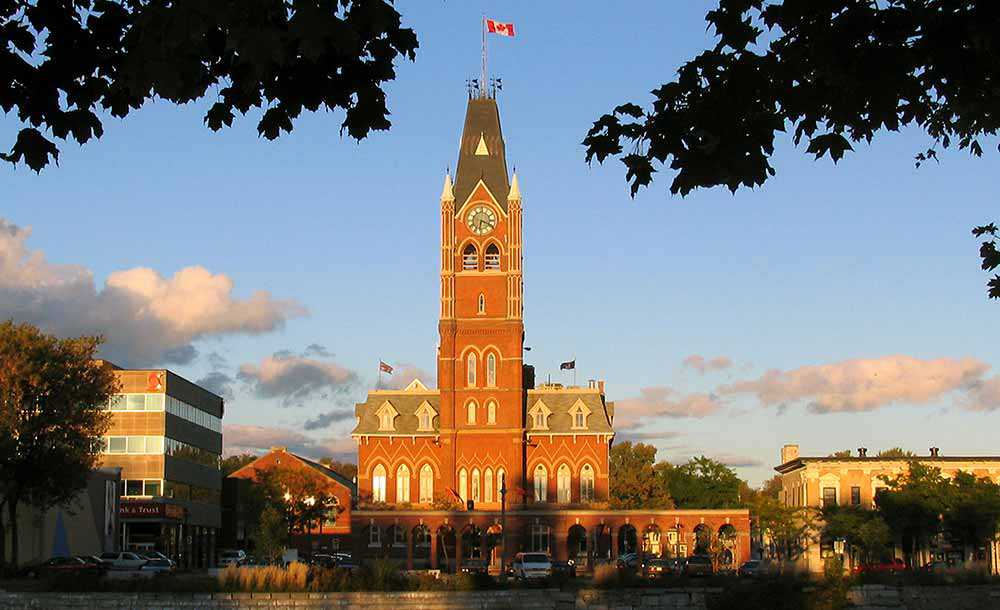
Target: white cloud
point(145, 317)
point(241, 438)
point(296, 378)
point(662, 401)
point(864, 384)
point(703, 365)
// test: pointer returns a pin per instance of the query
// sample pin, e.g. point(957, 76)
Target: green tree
point(53, 395)
point(232, 463)
point(896, 452)
point(705, 483)
point(301, 496)
point(864, 531)
point(833, 73)
point(973, 507)
point(62, 62)
point(784, 530)
point(846, 453)
point(633, 481)
point(914, 502)
point(271, 536)
point(348, 470)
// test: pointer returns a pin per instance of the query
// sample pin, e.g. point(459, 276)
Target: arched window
point(426, 484)
point(378, 484)
point(541, 483)
point(470, 370)
point(463, 484)
point(470, 412)
point(587, 483)
point(488, 485)
point(491, 412)
point(470, 258)
point(402, 484)
point(563, 482)
point(475, 485)
point(492, 258)
point(482, 303)
point(501, 475)
point(491, 371)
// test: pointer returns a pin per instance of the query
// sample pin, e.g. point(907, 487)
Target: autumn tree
point(633, 481)
point(53, 398)
point(896, 452)
point(785, 531)
point(301, 496)
point(66, 64)
point(834, 74)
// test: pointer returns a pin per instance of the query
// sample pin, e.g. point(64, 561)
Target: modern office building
point(166, 437)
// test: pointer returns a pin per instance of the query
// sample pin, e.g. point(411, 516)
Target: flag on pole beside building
point(384, 368)
point(567, 366)
point(502, 29)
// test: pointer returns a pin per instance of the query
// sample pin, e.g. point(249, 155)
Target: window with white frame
point(374, 536)
point(541, 480)
point(475, 485)
point(488, 485)
point(563, 482)
point(501, 475)
point(463, 485)
point(492, 258)
point(482, 303)
point(425, 417)
point(491, 412)
point(491, 370)
point(402, 484)
point(579, 413)
point(378, 484)
point(470, 370)
point(587, 483)
point(426, 484)
point(386, 417)
point(540, 537)
point(470, 258)
point(470, 412)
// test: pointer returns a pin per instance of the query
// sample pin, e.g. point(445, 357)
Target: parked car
point(151, 555)
point(628, 560)
point(123, 561)
point(564, 568)
point(475, 566)
point(62, 565)
point(655, 567)
point(94, 561)
point(698, 565)
point(158, 566)
point(890, 566)
point(753, 568)
point(232, 558)
point(527, 566)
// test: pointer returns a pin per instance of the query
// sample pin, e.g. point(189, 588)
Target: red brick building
point(487, 427)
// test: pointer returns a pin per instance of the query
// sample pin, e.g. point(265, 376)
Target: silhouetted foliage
point(348, 470)
point(834, 72)
point(896, 452)
point(865, 531)
point(232, 463)
point(990, 255)
point(61, 61)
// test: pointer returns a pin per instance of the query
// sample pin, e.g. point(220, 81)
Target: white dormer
point(425, 417)
point(539, 415)
point(415, 386)
point(579, 413)
point(386, 415)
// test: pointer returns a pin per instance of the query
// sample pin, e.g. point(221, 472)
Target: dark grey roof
point(800, 462)
point(482, 120)
point(560, 401)
point(333, 474)
point(405, 403)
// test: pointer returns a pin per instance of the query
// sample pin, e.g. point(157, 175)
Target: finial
point(515, 190)
point(447, 193)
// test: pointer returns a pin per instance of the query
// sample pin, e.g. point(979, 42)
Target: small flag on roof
point(568, 366)
point(383, 367)
point(497, 27)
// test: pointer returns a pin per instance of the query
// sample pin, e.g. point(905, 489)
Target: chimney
point(789, 453)
point(279, 449)
point(934, 451)
point(862, 452)
point(600, 386)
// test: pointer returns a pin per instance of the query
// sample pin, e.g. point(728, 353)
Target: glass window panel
point(154, 444)
point(154, 402)
point(133, 488)
point(152, 487)
point(136, 444)
point(116, 444)
point(117, 403)
point(135, 402)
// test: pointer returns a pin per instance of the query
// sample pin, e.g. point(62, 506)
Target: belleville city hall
point(489, 463)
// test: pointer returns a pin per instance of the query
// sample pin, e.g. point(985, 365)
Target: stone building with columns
point(489, 463)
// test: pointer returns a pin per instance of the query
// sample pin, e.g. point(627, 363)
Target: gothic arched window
point(492, 258)
point(470, 415)
point(541, 483)
point(470, 370)
point(378, 484)
point(402, 484)
point(491, 412)
point(426, 484)
point(488, 485)
point(470, 258)
point(491, 370)
point(482, 303)
point(563, 482)
point(475, 485)
point(587, 483)
point(463, 485)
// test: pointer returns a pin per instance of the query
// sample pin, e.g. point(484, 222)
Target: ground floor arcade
point(444, 540)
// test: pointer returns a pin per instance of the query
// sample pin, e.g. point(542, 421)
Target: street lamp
point(503, 522)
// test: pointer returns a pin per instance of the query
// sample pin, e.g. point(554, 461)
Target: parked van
point(532, 566)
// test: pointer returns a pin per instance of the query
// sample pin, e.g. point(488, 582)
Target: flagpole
point(574, 370)
point(378, 386)
point(482, 83)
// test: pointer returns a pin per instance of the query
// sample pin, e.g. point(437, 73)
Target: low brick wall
point(954, 597)
point(532, 599)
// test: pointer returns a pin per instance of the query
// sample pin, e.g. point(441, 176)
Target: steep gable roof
point(563, 402)
point(406, 403)
point(482, 153)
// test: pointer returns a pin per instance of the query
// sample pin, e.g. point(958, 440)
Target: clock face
point(481, 220)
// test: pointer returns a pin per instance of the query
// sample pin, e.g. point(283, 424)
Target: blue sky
point(826, 264)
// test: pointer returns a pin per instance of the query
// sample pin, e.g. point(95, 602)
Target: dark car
point(753, 568)
point(564, 568)
point(322, 560)
point(656, 567)
point(698, 565)
point(628, 560)
point(62, 565)
point(475, 566)
point(890, 566)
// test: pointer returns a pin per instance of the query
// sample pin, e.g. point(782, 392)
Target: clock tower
point(480, 373)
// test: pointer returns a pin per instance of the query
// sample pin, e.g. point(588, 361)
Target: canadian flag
point(503, 29)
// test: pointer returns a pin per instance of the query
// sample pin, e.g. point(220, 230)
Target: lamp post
point(503, 523)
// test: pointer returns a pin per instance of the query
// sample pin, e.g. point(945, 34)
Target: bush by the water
point(378, 575)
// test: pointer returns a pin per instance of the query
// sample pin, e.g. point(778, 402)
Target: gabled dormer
point(425, 417)
point(386, 415)
point(416, 386)
point(579, 415)
point(539, 416)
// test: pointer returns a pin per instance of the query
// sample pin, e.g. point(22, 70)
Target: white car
point(528, 566)
point(232, 558)
point(122, 561)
